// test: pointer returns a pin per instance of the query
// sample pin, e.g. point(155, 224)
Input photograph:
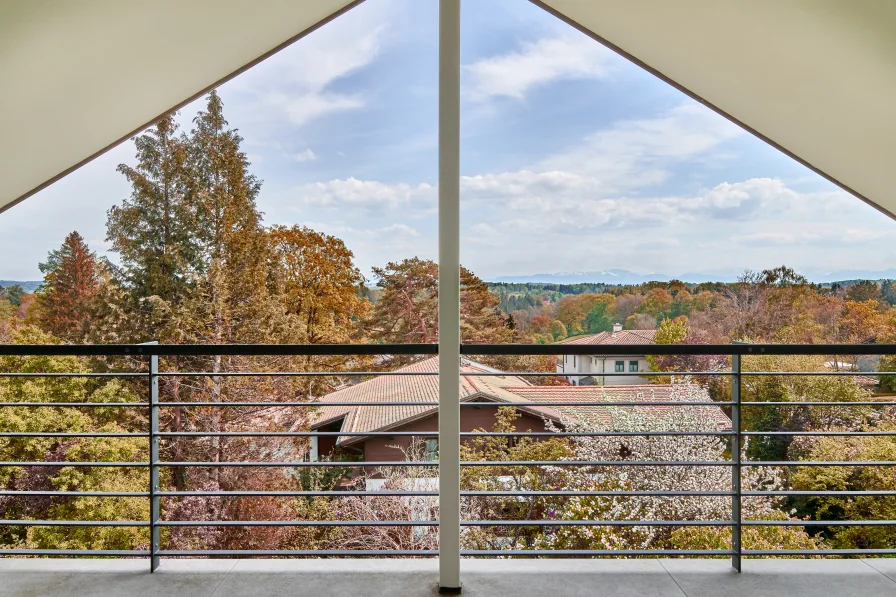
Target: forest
point(196, 264)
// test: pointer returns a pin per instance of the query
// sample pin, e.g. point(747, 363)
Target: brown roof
point(411, 388)
point(622, 337)
point(502, 389)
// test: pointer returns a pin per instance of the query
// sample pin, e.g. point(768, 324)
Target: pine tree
point(72, 279)
point(227, 229)
point(153, 230)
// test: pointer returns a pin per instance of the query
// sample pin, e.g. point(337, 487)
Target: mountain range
point(624, 276)
point(27, 285)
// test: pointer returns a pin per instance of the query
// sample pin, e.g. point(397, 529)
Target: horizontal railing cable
point(502, 470)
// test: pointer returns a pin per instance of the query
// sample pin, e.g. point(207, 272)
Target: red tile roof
point(623, 337)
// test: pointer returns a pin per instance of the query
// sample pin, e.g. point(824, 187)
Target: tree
point(313, 281)
point(558, 330)
point(12, 294)
point(55, 419)
point(796, 388)
point(314, 277)
point(72, 280)
point(861, 321)
point(864, 290)
point(599, 318)
point(407, 310)
point(780, 276)
point(851, 478)
point(646, 478)
point(888, 292)
point(640, 321)
point(672, 331)
point(657, 303)
point(154, 230)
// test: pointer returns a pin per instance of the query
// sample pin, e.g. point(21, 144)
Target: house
point(372, 415)
point(583, 370)
point(379, 409)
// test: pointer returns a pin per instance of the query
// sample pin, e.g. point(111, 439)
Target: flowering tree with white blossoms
point(710, 446)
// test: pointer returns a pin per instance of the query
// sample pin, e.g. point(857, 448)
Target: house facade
point(584, 370)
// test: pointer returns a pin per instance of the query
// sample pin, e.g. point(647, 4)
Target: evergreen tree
point(12, 294)
point(153, 230)
point(227, 231)
point(72, 279)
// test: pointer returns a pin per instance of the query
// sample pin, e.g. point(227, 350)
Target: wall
point(593, 366)
point(376, 449)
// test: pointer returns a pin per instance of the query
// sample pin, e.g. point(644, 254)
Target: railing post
point(736, 516)
point(449, 296)
point(154, 510)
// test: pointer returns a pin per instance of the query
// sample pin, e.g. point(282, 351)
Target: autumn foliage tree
point(72, 279)
point(407, 310)
point(317, 282)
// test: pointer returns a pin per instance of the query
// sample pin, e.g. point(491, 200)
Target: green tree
point(851, 478)
point(599, 318)
point(558, 330)
point(795, 388)
point(49, 419)
point(154, 230)
point(12, 294)
point(888, 292)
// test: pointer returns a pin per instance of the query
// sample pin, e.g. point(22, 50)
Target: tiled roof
point(623, 337)
point(506, 389)
point(410, 388)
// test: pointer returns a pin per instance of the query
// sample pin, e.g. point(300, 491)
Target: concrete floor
point(519, 578)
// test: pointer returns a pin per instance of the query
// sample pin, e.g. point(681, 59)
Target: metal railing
point(155, 492)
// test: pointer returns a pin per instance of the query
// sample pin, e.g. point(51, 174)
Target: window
point(620, 366)
point(432, 450)
point(633, 366)
point(573, 360)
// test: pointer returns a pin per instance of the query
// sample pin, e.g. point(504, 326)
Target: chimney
point(617, 327)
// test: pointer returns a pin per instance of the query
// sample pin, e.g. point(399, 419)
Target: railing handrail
point(433, 349)
point(152, 352)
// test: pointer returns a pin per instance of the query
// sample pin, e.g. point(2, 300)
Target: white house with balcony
point(586, 370)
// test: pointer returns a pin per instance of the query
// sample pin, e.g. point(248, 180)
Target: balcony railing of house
point(149, 374)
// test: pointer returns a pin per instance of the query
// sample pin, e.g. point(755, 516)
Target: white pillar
point(449, 296)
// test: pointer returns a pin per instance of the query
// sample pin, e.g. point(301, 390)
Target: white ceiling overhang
point(817, 78)
point(80, 76)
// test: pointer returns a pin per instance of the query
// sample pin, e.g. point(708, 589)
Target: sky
point(572, 159)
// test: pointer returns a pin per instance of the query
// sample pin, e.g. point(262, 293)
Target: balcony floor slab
point(521, 578)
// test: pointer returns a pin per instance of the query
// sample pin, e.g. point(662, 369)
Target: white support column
point(449, 296)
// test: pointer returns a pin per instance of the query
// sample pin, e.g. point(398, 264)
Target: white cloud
point(640, 152)
point(597, 183)
point(304, 156)
point(570, 56)
point(298, 82)
point(344, 230)
point(369, 195)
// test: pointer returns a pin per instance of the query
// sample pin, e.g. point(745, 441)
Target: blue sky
point(572, 159)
